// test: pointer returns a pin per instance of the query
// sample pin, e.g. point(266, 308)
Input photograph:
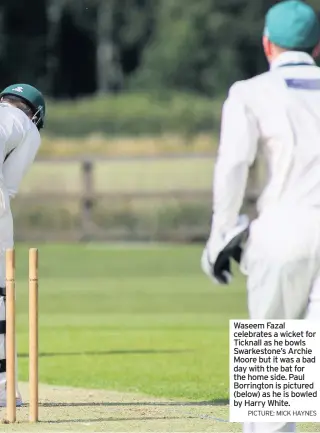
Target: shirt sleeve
point(236, 153)
point(2, 150)
point(19, 161)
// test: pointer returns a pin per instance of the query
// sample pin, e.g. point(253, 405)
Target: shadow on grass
point(94, 420)
point(223, 402)
point(104, 353)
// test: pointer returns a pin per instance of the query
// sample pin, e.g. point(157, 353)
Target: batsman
point(278, 114)
point(22, 114)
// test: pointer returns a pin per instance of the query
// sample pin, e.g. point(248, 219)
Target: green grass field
point(130, 319)
point(136, 336)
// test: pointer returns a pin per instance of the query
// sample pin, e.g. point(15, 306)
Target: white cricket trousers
point(6, 242)
point(282, 264)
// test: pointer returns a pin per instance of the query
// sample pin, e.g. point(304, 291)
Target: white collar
point(292, 57)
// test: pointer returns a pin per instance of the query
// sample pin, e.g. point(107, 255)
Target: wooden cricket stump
point(33, 335)
point(11, 336)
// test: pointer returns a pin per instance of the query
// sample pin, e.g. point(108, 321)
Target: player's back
point(19, 143)
point(286, 102)
point(14, 126)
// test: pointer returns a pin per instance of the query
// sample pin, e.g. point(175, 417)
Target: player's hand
point(221, 250)
point(219, 271)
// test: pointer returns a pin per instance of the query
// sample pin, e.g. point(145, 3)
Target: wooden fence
point(88, 213)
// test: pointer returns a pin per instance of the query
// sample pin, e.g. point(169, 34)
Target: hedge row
point(180, 221)
point(133, 114)
point(184, 221)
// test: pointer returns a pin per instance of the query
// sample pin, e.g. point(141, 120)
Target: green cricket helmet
point(33, 97)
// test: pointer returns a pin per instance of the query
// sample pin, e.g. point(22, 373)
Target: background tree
point(24, 46)
point(73, 48)
point(206, 45)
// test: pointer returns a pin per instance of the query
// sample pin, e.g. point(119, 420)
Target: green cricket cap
point(293, 24)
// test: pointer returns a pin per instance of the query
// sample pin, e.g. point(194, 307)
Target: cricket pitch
point(65, 409)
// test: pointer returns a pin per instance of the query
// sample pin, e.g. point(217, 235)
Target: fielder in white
point(22, 113)
point(277, 112)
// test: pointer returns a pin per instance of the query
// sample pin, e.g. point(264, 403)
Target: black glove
point(220, 270)
point(222, 266)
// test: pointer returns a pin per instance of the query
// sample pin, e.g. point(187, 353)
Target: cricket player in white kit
point(22, 113)
point(277, 112)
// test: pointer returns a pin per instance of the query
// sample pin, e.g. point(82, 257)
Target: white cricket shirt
point(20, 139)
point(278, 112)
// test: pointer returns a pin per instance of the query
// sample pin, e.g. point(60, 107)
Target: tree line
point(75, 48)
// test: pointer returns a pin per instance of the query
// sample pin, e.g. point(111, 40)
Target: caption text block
point(274, 371)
